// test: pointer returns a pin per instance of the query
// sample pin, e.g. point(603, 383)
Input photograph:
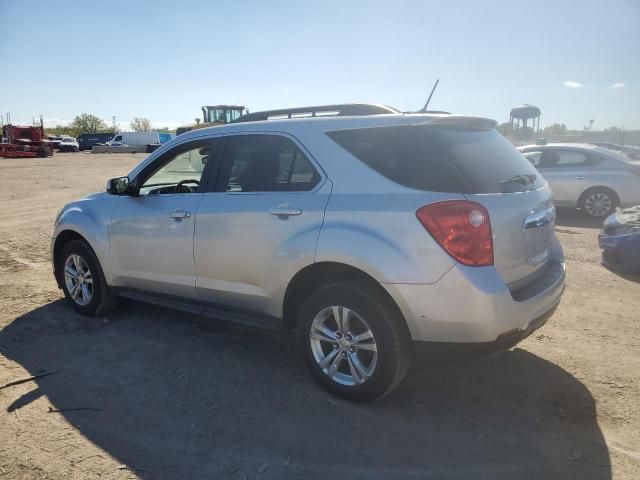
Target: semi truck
point(21, 141)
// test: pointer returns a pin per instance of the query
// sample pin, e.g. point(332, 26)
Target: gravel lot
point(156, 394)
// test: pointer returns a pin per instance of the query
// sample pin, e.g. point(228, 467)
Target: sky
point(576, 60)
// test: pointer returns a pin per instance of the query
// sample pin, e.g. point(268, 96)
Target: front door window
point(181, 172)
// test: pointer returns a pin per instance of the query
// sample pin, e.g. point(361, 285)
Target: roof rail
point(339, 110)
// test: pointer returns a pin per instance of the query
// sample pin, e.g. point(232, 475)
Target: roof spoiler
point(458, 120)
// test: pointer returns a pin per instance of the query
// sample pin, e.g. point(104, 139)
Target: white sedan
point(69, 144)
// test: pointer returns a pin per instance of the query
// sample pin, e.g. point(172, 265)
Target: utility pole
point(113, 119)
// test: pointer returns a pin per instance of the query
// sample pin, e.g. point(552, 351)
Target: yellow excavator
point(215, 115)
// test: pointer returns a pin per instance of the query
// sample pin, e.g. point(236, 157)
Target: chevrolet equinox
point(375, 238)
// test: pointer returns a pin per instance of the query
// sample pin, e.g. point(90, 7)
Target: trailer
point(24, 142)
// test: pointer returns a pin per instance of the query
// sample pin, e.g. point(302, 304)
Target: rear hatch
point(466, 155)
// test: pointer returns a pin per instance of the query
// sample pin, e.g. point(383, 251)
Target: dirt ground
point(146, 392)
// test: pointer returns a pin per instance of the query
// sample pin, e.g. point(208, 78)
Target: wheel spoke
point(75, 291)
point(322, 332)
point(86, 294)
point(70, 272)
point(334, 365)
point(76, 263)
point(358, 370)
point(365, 346)
point(337, 316)
point(346, 319)
point(366, 335)
point(342, 317)
point(327, 360)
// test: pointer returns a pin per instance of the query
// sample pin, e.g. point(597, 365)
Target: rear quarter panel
point(380, 235)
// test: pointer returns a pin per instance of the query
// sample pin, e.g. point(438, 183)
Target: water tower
point(521, 115)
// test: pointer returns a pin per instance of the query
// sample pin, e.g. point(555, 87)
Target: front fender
point(89, 218)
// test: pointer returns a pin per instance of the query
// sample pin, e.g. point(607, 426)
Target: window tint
point(186, 163)
point(571, 157)
point(566, 158)
point(442, 159)
point(267, 163)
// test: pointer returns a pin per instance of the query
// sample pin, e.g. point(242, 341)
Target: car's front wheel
point(355, 341)
point(82, 279)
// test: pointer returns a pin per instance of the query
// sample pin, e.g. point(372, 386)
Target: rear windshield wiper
point(523, 179)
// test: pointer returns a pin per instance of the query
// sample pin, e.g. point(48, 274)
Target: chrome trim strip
point(540, 219)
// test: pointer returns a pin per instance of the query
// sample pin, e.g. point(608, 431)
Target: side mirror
point(118, 186)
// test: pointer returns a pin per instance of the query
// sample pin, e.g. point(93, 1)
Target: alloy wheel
point(343, 345)
point(598, 204)
point(78, 279)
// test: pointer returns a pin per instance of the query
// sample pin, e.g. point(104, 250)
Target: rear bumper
point(473, 304)
point(429, 352)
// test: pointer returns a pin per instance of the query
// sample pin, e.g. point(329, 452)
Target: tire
point(97, 298)
point(599, 202)
point(380, 363)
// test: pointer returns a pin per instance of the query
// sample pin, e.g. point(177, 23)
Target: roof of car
point(339, 122)
point(582, 146)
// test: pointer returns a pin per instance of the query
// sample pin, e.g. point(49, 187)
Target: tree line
point(88, 123)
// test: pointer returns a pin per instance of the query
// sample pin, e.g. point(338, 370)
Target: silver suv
point(378, 239)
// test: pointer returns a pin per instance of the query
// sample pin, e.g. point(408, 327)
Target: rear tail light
point(462, 228)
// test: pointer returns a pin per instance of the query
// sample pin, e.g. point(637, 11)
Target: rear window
point(442, 159)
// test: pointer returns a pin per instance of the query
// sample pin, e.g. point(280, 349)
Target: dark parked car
point(620, 241)
point(88, 140)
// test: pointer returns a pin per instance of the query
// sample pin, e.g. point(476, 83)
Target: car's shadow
point(570, 217)
point(176, 398)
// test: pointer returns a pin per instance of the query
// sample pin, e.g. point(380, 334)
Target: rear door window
point(562, 158)
point(266, 163)
point(442, 159)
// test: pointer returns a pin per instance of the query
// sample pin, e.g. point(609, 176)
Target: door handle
point(579, 178)
point(285, 211)
point(179, 214)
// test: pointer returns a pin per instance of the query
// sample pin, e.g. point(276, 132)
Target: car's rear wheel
point(356, 343)
point(599, 202)
point(82, 279)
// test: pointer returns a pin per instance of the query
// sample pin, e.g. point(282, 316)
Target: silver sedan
point(585, 176)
